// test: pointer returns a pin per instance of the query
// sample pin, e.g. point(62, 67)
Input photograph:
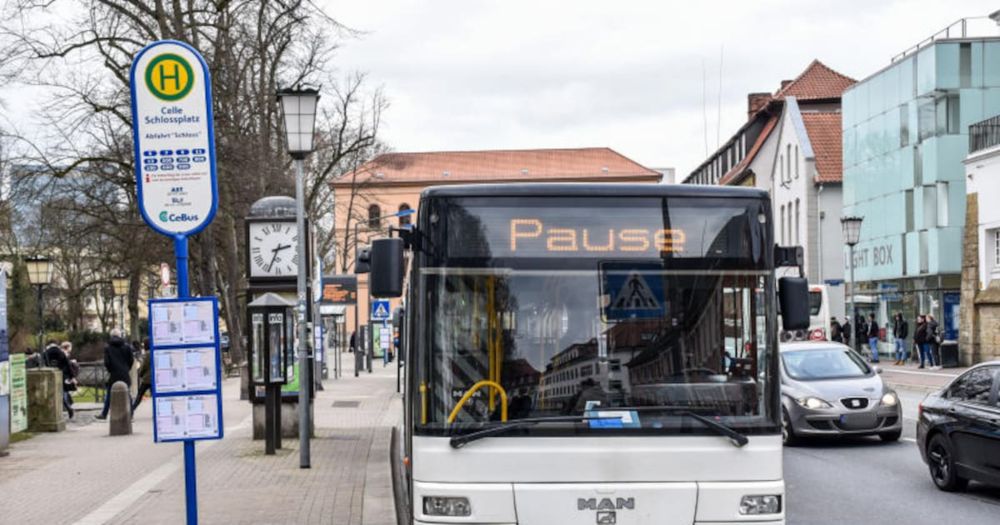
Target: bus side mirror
point(793, 301)
point(387, 267)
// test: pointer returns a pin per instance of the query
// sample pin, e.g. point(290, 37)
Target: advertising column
point(4, 370)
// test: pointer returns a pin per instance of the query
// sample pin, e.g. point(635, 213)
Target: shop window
point(404, 220)
point(374, 215)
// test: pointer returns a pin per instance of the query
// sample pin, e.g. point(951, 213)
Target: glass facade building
point(905, 135)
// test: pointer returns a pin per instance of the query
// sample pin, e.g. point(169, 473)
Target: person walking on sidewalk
point(900, 331)
point(846, 331)
point(145, 375)
point(836, 331)
point(118, 361)
point(873, 335)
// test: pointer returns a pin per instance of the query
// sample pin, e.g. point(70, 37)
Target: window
point(965, 65)
point(918, 165)
point(904, 126)
point(930, 207)
point(925, 119)
point(974, 386)
point(993, 254)
point(782, 224)
point(404, 220)
point(796, 161)
point(942, 204)
point(909, 211)
point(788, 158)
point(374, 215)
point(797, 241)
point(996, 248)
point(781, 168)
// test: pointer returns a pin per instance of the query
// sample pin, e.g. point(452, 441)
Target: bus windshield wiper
point(501, 428)
point(737, 439)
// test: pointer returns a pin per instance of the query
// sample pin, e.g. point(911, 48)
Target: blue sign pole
point(190, 477)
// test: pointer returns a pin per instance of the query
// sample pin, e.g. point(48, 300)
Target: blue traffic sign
point(380, 310)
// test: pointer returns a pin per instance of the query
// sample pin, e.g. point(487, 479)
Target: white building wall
point(982, 170)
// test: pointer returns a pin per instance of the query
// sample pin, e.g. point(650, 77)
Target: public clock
point(274, 249)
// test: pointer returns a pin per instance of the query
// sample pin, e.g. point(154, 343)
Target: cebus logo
point(179, 217)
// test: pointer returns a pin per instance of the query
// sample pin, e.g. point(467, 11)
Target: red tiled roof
point(817, 82)
point(735, 175)
point(523, 165)
point(824, 133)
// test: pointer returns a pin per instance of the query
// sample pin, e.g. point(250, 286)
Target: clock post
point(272, 267)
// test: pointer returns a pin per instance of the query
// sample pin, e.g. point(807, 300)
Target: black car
point(958, 430)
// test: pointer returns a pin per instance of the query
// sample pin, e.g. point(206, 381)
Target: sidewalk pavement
point(84, 476)
point(910, 377)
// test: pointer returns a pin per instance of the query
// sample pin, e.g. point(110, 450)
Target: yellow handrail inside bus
point(471, 391)
point(423, 403)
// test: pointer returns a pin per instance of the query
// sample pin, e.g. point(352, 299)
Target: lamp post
point(119, 284)
point(39, 275)
point(298, 107)
point(852, 233)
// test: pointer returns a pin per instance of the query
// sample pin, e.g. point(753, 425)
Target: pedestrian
point(354, 341)
point(900, 331)
point(118, 361)
point(836, 331)
point(934, 340)
point(873, 337)
point(860, 331)
point(920, 339)
point(847, 331)
point(56, 358)
point(145, 375)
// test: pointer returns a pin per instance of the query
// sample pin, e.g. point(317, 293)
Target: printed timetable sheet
point(183, 323)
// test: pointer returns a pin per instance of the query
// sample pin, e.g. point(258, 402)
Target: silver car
point(827, 389)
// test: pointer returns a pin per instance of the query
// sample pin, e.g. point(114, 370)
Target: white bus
point(590, 354)
point(819, 318)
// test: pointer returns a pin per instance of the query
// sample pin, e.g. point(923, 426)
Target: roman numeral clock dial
point(274, 248)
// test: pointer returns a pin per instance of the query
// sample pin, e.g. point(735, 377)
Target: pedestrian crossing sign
point(380, 310)
point(632, 291)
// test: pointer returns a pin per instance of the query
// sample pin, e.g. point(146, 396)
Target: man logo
point(169, 77)
point(606, 508)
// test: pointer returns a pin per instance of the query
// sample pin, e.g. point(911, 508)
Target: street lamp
point(39, 275)
point(852, 234)
point(119, 284)
point(298, 108)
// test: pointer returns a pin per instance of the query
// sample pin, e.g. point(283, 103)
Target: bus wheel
point(788, 437)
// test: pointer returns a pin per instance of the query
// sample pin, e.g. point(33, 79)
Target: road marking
point(143, 485)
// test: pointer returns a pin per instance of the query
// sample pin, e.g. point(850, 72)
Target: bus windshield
point(640, 335)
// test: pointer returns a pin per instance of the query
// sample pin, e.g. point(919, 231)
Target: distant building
point(791, 147)
point(980, 298)
point(392, 182)
point(905, 133)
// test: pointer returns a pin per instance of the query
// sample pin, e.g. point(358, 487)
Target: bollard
point(120, 415)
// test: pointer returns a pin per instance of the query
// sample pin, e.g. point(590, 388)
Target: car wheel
point(941, 461)
point(890, 437)
point(788, 437)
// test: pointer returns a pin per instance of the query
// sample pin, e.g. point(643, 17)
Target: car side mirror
point(878, 369)
point(793, 301)
point(387, 267)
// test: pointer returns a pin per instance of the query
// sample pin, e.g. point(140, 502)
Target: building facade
point(791, 147)
point(904, 139)
point(979, 319)
point(367, 199)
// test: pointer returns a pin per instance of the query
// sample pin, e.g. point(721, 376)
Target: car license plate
point(858, 421)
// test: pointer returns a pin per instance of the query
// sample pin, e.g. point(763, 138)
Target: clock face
point(273, 249)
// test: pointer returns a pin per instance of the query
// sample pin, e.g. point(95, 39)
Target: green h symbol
point(175, 76)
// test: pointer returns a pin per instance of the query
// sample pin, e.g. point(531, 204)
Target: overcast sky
point(466, 74)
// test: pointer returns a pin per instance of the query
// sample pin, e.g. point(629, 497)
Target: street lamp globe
point(39, 270)
point(852, 229)
point(298, 108)
point(120, 285)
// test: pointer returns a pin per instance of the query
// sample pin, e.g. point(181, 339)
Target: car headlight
point(754, 505)
point(447, 506)
point(890, 399)
point(812, 403)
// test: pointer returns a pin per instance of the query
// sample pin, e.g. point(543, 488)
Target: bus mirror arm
point(790, 256)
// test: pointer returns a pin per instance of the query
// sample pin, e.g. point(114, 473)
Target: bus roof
point(590, 190)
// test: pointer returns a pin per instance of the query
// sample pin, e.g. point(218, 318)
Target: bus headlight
point(447, 506)
point(812, 403)
point(754, 505)
point(890, 399)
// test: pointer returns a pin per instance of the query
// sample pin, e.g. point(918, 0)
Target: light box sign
point(173, 137)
